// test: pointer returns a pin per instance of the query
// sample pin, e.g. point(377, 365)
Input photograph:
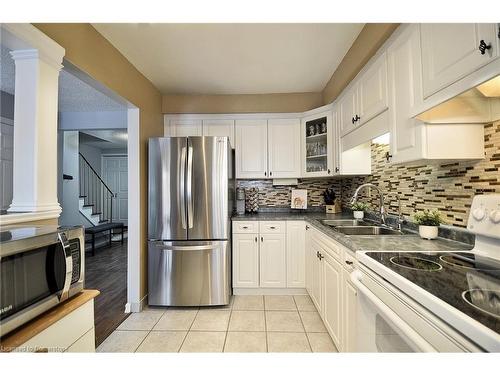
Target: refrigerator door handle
point(182, 198)
point(163, 246)
point(189, 191)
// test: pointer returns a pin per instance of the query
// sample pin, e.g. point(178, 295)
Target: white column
point(35, 132)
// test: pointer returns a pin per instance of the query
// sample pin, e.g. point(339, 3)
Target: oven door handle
point(68, 267)
point(399, 323)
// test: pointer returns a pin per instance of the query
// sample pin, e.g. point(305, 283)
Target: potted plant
point(359, 209)
point(428, 223)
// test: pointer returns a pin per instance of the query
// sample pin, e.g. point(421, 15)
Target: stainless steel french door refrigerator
point(191, 197)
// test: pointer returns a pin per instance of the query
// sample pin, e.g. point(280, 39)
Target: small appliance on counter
point(40, 267)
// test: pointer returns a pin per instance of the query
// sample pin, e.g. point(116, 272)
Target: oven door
point(32, 281)
point(380, 328)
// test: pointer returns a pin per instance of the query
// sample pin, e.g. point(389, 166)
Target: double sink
point(361, 228)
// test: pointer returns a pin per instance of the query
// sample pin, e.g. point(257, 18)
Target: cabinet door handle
point(261, 239)
point(329, 171)
point(320, 256)
point(307, 227)
point(270, 173)
point(353, 120)
point(256, 239)
point(483, 46)
point(357, 118)
point(348, 262)
point(265, 173)
point(337, 169)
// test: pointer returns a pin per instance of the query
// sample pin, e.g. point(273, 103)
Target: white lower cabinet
point(295, 254)
point(272, 261)
point(332, 297)
point(316, 270)
point(245, 260)
point(328, 267)
point(73, 333)
point(260, 254)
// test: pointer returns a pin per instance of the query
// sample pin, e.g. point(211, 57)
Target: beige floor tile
point(204, 342)
point(211, 320)
point(283, 321)
point(287, 342)
point(321, 343)
point(122, 342)
point(248, 303)
point(304, 303)
point(250, 321)
point(312, 321)
point(176, 320)
point(279, 303)
point(246, 342)
point(162, 342)
point(142, 321)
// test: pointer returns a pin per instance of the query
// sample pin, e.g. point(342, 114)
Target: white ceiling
point(74, 94)
point(233, 58)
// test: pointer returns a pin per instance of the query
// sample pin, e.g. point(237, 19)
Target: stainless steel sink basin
point(345, 222)
point(368, 231)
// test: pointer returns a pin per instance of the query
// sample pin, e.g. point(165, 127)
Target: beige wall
point(369, 40)
point(263, 103)
point(92, 53)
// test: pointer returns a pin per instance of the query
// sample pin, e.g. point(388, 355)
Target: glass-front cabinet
point(317, 143)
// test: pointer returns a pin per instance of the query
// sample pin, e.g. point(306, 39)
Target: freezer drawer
point(189, 273)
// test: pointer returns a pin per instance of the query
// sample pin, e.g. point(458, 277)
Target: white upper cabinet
point(219, 128)
point(284, 148)
point(452, 51)
point(405, 90)
point(412, 139)
point(184, 128)
point(251, 149)
point(372, 90)
point(347, 106)
point(317, 142)
point(366, 98)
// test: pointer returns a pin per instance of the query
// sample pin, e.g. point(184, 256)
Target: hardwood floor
point(107, 272)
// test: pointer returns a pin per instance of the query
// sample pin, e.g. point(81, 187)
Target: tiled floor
point(248, 324)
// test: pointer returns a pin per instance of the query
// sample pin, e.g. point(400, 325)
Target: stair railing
point(95, 192)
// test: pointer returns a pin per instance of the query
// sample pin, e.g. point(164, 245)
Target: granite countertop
point(408, 242)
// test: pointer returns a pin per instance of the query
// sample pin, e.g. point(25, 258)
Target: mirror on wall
point(480, 104)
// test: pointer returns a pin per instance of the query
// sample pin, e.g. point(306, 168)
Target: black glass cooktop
point(466, 281)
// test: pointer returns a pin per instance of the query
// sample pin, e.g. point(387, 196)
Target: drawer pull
point(244, 227)
point(349, 262)
point(272, 227)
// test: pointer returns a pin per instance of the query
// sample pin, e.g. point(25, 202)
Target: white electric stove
point(434, 301)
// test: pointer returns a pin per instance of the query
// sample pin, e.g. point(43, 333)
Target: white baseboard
point(269, 291)
point(132, 307)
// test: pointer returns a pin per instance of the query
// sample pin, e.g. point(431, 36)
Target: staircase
point(96, 198)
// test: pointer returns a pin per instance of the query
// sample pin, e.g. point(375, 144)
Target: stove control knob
point(479, 214)
point(495, 216)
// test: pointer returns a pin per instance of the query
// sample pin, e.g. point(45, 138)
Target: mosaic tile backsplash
point(280, 196)
point(448, 187)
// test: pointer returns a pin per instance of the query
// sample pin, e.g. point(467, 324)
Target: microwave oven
point(40, 267)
